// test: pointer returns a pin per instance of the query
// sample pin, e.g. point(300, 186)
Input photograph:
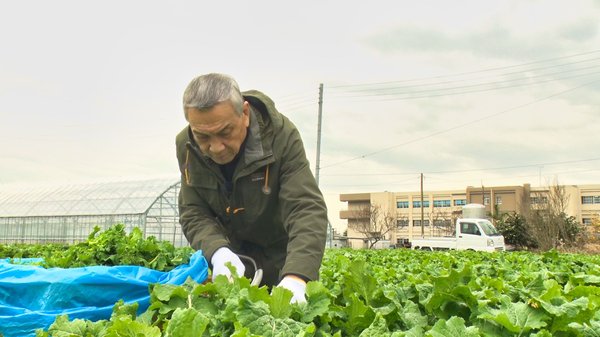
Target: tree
point(442, 223)
point(515, 230)
point(593, 231)
point(374, 223)
point(548, 221)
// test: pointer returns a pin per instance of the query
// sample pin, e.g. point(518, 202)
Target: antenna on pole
point(318, 163)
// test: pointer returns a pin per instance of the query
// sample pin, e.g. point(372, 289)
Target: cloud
point(499, 40)
point(584, 30)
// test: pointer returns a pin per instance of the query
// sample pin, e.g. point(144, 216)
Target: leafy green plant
point(107, 248)
point(390, 293)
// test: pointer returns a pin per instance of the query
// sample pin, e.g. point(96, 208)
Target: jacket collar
point(257, 147)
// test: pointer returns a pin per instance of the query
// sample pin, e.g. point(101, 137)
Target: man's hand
point(296, 285)
point(220, 258)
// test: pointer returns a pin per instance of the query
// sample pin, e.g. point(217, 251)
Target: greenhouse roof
point(98, 198)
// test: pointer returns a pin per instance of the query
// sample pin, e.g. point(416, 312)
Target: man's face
point(220, 131)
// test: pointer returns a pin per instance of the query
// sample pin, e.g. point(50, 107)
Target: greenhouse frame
point(69, 213)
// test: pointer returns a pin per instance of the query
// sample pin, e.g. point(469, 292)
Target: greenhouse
point(69, 213)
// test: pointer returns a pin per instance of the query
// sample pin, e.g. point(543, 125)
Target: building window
point(441, 203)
point(586, 221)
point(498, 200)
point(486, 200)
point(417, 223)
point(417, 204)
point(460, 202)
point(539, 200)
point(400, 223)
point(587, 200)
point(401, 204)
point(443, 223)
point(597, 199)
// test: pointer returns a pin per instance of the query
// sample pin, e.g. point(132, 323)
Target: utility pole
point(422, 213)
point(318, 162)
point(482, 194)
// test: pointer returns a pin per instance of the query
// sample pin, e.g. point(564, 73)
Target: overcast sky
point(465, 92)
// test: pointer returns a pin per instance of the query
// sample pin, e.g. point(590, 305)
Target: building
point(433, 213)
point(68, 213)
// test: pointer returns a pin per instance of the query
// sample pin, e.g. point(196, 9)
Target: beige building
point(433, 213)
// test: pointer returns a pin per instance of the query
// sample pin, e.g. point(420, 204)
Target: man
point(246, 186)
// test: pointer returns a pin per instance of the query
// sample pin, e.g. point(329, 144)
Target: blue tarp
point(31, 296)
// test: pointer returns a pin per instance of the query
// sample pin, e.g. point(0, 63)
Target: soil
point(588, 248)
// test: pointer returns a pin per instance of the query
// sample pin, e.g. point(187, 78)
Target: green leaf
point(62, 327)
point(121, 308)
point(591, 329)
point(413, 332)
point(164, 292)
point(125, 327)
point(317, 301)
point(359, 281)
point(516, 317)
point(358, 315)
point(378, 328)
point(257, 318)
point(448, 302)
point(258, 294)
point(455, 326)
point(269, 326)
point(585, 279)
point(242, 331)
point(411, 316)
point(187, 322)
point(280, 302)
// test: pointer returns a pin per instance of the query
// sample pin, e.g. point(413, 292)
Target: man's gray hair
point(206, 91)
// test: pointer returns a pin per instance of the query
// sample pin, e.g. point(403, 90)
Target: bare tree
point(547, 219)
point(374, 223)
point(593, 231)
point(543, 231)
point(442, 223)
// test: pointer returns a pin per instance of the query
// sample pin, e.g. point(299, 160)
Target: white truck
point(472, 232)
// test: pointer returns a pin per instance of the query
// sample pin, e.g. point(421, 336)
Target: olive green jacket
point(275, 213)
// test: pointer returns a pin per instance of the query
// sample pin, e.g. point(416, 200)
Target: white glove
point(296, 285)
point(220, 258)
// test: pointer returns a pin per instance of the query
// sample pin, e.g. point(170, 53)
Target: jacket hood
point(265, 105)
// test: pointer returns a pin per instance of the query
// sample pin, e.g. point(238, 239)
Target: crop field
point(395, 293)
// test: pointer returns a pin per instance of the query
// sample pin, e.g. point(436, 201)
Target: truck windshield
point(488, 228)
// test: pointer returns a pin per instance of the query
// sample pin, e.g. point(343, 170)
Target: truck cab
point(478, 234)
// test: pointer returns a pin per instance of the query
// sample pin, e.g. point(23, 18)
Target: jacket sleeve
point(198, 221)
point(303, 210)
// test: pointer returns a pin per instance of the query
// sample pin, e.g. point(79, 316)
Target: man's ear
point(246, 113)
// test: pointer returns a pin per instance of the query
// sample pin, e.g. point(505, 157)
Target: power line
point(391, 89)
point(461, 125)
point(464, 73)
point(296, 106)
point(415, 178)
point(497, 85)
point(470, 170)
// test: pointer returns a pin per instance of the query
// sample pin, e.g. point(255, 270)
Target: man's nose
point(216, 146)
